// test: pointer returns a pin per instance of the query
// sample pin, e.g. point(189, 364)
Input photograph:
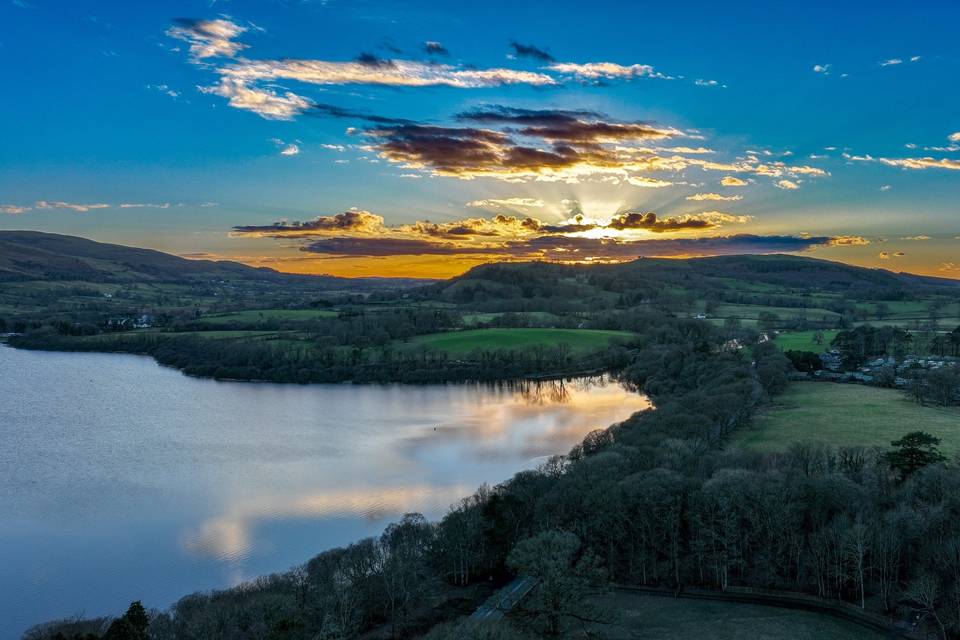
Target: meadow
point(805, 340)
point(847, 415)
point(664, 618)
point(580, 340)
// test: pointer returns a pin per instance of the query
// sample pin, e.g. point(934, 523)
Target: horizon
point(378, 140)
point(517, 262)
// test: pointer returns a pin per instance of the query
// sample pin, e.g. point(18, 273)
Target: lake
point(122, 480)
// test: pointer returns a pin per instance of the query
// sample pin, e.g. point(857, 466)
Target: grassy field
point(804, 341)
point(465, 341)
point(660, 618)
point(264, 315)
point(848, 414)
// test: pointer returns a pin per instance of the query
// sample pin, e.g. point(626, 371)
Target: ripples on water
point(120, 479)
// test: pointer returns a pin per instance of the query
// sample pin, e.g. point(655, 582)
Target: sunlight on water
point(121, 479)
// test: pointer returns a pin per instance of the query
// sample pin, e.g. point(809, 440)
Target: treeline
point(316, 360)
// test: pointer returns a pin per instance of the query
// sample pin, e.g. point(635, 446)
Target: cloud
point(650, 222)
point(353, 221)
point(909, 163)
point(79, 208)
point(606, 71)
point(13, 209)
point(648, 183)
point(714, 196)
point(247, 84)
point(290, 150)
point(478, 233)
point(530, 51)
point(954, 137)
point(144, 205)
point(435, 48)
point(266, 103)
point(885, 187)
point(787, 184)
point(164, 89)
point(208, 38)
point(822, 68)
point(700, 82)
point(519, 145)
point(572, 249)
point(950, 267)
point(922, 163)
point(733, 181)
point(396, 73)
point(890, 62)
point(507, 203)
point(848, 241)
point(919, 238)
point(884, 255)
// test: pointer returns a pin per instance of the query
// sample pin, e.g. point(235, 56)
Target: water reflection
point(138, 482)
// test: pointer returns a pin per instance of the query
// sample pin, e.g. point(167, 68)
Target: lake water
point(121, 479)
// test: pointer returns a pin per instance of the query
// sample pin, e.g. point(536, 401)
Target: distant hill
point(32, 255)
point(783, 272)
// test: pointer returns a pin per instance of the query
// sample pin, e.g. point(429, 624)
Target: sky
point(369, 138)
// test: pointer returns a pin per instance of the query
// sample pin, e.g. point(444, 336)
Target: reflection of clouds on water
point(539, 419)
point(518, 426)
point(230, 537)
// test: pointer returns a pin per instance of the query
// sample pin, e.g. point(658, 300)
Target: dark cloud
point(375, 247)
point(333, 111)
point(650, 222)
point(372, 60)
point(445, 149)
point(565, 248)
point(576, 127)
point(525, 142)
point(346, 222)
point(530, 51)
point(500, 114)
point(435, 48)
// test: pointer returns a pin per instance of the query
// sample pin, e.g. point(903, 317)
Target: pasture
point(805, 340)
point(847, 415)
point(580, 340)
point(664, 618)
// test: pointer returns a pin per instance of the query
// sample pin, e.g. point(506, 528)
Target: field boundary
point(787, 600)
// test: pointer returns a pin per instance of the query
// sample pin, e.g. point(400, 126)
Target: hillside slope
point(778, 272)
point(32, 255)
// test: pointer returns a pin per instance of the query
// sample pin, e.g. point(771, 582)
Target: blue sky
point(837, 119)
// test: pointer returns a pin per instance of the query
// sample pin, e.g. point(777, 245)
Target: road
point(503, 600)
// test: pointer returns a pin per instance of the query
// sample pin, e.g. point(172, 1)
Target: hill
point(780, 273)
point(32, 255)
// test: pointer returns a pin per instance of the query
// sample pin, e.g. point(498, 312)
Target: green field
point(664, 618)
point(845, 415)
point(804, 340)
point(265, 315)
point(581, 340)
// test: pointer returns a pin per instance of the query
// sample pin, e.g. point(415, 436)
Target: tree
point(924, 593)
point(913, 451)
point(563, 581)
point(130, 626)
